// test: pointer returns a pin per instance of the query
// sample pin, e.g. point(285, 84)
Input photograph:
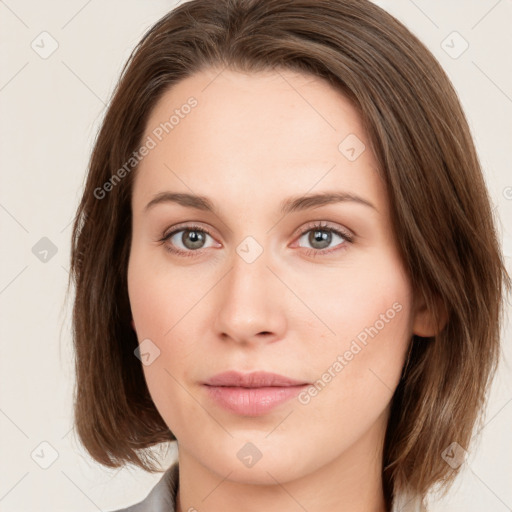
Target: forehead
point(264, 134)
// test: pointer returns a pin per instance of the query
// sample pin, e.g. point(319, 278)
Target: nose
point(251, 303)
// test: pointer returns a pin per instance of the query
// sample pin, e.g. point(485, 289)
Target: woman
point(285, 261)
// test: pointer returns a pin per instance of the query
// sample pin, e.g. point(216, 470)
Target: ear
point(424, 323)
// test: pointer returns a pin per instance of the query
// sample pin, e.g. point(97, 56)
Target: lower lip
point(252, 401)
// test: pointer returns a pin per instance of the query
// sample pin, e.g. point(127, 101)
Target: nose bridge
point(248, 300)
point(249, 272)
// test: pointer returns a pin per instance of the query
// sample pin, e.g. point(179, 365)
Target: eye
point(191, 238)
point(320, 236)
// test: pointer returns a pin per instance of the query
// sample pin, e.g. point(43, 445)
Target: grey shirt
point(162, 498)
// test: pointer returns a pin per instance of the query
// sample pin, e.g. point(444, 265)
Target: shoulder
point(162, 497)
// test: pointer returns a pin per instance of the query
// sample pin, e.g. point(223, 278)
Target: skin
point(252, 141)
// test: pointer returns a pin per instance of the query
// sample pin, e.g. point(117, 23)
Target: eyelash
point(309, 252)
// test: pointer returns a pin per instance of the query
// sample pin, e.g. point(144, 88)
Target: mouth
point(251, 394)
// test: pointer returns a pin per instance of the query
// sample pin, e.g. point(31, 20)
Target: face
point(265, 279)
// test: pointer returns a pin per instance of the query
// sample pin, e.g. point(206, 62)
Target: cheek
point(159, 299)
point(359, 367)
point(371, 291)
point(355, 380)
point(163, 308)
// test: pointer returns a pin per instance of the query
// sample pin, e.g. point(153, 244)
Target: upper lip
point(252, 380)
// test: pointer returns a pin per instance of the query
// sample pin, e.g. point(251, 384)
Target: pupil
point(320, 236)
point(192, 239)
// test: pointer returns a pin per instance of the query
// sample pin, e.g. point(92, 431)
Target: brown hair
point(439, 205)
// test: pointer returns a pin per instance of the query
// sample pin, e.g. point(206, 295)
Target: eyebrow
point(292, 204)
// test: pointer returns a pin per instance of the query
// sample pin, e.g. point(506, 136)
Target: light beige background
point(50, 110)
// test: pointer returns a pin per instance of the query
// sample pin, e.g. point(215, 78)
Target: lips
point(258, 379)
point(251, 394)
